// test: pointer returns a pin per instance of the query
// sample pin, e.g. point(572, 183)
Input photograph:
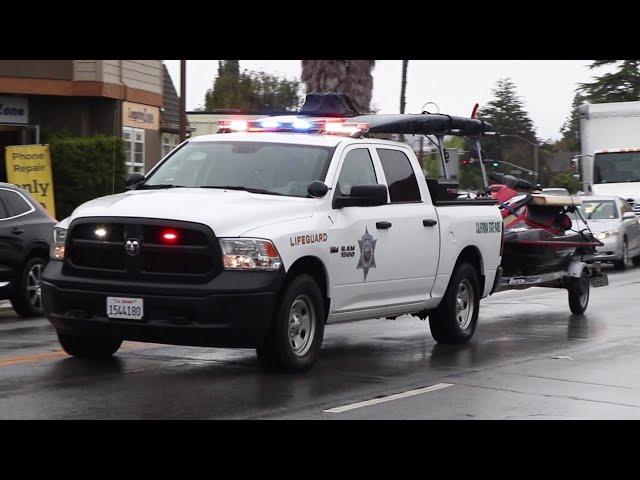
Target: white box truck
point(610, 160)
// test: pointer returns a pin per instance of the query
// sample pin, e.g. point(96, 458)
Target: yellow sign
point(29, 167)
point(140, 116)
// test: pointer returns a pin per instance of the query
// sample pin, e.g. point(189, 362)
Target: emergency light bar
point(329, 126)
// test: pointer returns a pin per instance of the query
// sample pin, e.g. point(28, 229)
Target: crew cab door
point(414, 225)
point(355, 246)
point(375, 264)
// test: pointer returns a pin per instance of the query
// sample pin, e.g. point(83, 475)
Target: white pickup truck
point(260, 238)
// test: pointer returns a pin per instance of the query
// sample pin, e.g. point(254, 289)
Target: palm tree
point(403, 86)
point(351, 77)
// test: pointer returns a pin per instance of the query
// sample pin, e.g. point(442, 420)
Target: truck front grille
point(96, 247)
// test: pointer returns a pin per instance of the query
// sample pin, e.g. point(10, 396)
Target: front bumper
point(610, 251)
point(235, 309)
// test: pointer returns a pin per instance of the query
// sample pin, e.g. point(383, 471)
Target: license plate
point(126, 308)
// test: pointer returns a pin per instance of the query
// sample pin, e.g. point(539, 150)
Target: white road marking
point(375, 401)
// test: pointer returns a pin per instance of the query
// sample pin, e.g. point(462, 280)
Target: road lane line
point(38, 357)
point(375, 401)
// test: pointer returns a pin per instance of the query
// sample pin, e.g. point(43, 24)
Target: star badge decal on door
point(367, 246)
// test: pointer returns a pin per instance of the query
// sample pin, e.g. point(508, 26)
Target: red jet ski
point(538, 235)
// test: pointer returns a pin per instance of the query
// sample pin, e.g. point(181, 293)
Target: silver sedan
point(613, 223)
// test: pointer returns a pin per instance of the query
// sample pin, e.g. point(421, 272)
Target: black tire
point(302, 303)
point(636, 261)
point(578, 289)
point(443, 321)
point(27, 300)
point(623, 263)
point(88, 347)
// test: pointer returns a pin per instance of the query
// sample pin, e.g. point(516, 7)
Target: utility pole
point(403, 90)
point(183, 98)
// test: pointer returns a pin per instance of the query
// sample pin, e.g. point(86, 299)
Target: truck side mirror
point(363, 196)
point(317, 189)
point(628, 215)
point(132, 179)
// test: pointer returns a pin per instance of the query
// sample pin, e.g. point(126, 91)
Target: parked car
point(26, 230)
point(613, 223)
point(555, 191)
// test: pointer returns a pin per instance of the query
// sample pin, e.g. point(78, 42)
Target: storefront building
point(83, 98)
point(170, 115)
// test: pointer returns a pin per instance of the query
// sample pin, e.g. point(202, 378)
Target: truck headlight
point(249, 254)
point(607, 234)
point(57, 247)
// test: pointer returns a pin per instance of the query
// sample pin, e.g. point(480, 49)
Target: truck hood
point(624, 190)
point(227, 212)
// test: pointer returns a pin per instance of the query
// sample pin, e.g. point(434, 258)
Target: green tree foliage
point(249, 90)
point(571, 128)
point(622, 85)
point(85, 168)
point(564, 180)
point(507, 115)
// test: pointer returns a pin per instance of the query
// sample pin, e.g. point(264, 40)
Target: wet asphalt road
point(530, 359)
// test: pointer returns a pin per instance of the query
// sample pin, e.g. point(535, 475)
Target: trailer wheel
point(579, 293)
point(293, 344)
point(455, 319)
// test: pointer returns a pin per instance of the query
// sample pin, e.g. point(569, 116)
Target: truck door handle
point(383, 225)
point(17, 230)
point(429, 223)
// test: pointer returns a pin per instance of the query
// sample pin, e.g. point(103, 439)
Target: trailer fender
point(575, 269)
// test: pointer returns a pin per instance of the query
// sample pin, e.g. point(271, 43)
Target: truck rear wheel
point(294, 342)
point(578, 289)
point(88, 347)
point(455, 319)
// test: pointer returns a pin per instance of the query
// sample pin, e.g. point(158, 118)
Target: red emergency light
point(169, 236)
point(289, 123)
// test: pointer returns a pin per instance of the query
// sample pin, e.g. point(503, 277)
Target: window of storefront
point(169, 141)
point(134, 148)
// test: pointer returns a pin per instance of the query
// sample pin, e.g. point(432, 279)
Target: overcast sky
point(545, 86)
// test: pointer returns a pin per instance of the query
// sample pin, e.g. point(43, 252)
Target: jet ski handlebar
point(512, 182)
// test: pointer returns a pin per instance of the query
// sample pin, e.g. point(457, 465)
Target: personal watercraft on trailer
point(540, 247)
point(538, 235)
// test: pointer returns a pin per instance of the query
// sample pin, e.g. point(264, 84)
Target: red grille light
point(169, 236)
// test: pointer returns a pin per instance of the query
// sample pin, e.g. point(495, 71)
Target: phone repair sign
point(29, 167)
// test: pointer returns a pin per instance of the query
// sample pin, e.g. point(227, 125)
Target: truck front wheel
point(88, 347)
point(455, 319)
point(294, 342)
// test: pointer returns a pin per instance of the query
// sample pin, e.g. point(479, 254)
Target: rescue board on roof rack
point(423, 124)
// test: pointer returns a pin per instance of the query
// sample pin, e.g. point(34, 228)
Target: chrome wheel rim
point(465, 304)
point(34, 286)
point(302, 325)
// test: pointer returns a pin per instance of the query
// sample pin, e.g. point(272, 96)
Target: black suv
point(26, 230)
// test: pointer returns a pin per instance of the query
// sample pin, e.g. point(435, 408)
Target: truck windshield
point(270, 168)
point(598, 210)
point(618, 167)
